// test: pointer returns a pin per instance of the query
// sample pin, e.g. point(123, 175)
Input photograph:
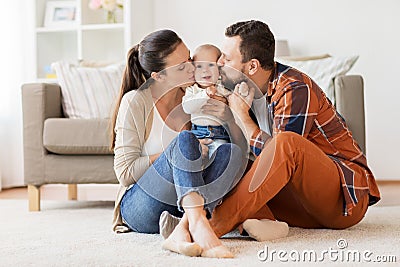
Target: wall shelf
point(63, 29)
point(89, 37)
point(103, 26)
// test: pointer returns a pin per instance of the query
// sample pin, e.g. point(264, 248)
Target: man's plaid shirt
point(296, 103)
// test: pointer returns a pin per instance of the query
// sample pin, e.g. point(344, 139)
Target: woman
point(157, 162)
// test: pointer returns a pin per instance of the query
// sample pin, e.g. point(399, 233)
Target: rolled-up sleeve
point(257, 141)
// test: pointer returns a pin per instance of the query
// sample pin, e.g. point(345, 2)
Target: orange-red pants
point(292, 180)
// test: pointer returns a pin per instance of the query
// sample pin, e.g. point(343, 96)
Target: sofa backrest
point(349, 95)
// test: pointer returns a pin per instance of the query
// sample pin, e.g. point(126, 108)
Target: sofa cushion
point(76, 136)
point(88, 92)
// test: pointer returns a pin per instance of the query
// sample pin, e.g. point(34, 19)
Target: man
point(311, 173)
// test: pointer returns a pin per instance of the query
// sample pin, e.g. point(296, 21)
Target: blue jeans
point(218, 134)
point(178, 171)
point(213, 132)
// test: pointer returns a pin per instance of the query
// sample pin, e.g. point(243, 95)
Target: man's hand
point(217, 106)
point(240, 103)
point(204, 147)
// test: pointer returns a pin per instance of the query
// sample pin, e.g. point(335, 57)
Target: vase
point(110, 17)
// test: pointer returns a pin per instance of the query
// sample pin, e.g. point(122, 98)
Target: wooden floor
point(390, 192)
point(60, 192)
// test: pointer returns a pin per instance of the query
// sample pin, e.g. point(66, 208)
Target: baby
point(205, 126)
point(206, 75)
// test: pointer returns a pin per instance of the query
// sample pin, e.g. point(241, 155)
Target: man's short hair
point(258, 41)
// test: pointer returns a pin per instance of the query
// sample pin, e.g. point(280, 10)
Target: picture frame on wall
point(60, 14)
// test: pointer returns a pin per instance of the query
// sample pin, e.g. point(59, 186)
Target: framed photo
point(60, 14)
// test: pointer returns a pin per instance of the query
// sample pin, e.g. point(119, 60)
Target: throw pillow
point(88, 92)
point(323, 71)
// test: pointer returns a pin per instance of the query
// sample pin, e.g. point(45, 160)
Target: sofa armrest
point(349, 95)
point(39, 102)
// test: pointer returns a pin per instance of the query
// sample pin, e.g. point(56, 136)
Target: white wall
point(344, 27)
point(142, 19)
point(13, 69)
point(366, 28)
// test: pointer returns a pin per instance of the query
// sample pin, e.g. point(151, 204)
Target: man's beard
point(230, 83)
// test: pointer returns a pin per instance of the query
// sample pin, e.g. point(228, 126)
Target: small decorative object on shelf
point(110, 6)
point(60, 14)
point(49, 73)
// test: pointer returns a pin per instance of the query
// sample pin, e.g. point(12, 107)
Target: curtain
point(16, 26)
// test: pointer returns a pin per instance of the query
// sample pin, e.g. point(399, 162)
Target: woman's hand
point(204, 147)
point(154, 157)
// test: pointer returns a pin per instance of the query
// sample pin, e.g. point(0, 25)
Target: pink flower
point(95, 4)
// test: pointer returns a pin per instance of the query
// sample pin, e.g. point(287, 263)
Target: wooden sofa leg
point(72, 191)
point(34, 197)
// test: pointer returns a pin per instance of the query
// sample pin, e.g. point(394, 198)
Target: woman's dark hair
point(144, 58)
point(258, 41)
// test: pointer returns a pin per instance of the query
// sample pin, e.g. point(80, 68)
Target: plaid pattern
point(297, 104)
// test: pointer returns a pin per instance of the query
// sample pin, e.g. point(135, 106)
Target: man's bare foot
point(203, 235)
point(180, 240)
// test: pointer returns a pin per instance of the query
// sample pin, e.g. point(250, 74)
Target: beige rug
point(79, 234)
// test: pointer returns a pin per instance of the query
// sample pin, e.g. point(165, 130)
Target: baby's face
point(206, 69)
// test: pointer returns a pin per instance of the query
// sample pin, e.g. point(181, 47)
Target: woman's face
point(179, 70)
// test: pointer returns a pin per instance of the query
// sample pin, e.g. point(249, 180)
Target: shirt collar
point(277, 71)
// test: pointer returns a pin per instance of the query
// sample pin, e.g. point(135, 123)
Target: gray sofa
point(75, 151)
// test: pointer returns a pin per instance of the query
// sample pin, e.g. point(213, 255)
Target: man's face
point(232, 70)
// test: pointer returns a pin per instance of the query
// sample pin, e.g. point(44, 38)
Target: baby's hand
point(243, 89)
point(211, 90)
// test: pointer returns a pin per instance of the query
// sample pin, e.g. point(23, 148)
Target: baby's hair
point(206, 47)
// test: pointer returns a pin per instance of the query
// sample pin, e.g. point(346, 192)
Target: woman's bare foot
point(181, 231)
point(203, 235)
point(180, 240)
